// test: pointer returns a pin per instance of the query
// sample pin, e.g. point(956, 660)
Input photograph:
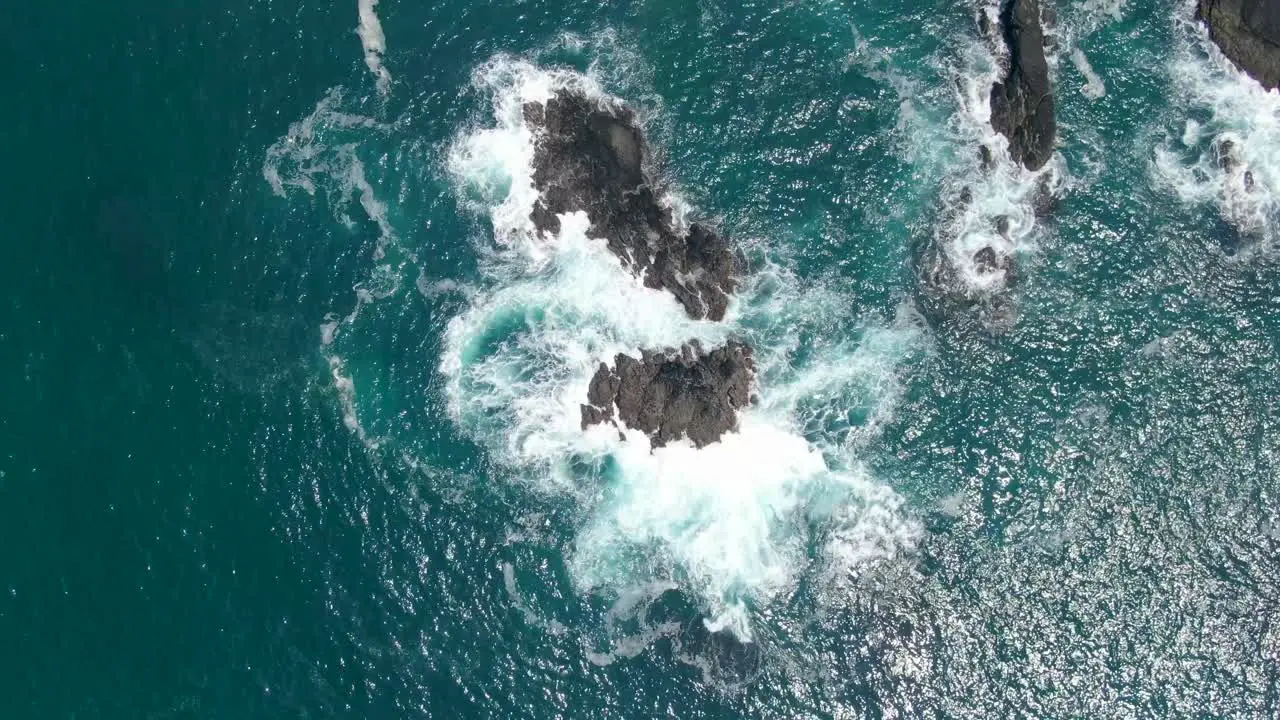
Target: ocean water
point(290, 420)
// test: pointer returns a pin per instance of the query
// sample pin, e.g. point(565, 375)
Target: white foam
point(434, 288)
point(727, 521)
point(1093, 87)
point(848, 375)
point(495, 164)
point(374, 43)
point(1247, 189)
point(582, 308)
point(628, 624)
point(346, 391)
point(722, 515)
point(1080, 20)
point(555, 627)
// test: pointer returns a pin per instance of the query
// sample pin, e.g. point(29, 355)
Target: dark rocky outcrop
point(1022, 103)
point(591, 156)
point(1248, 31)
point(673, 394)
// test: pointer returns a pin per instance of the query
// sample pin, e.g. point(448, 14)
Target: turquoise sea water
point(290, 427)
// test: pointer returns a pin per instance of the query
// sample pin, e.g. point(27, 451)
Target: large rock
point(673, 394)
point(592, 156)
point(1022, 103)
point(1248, 31)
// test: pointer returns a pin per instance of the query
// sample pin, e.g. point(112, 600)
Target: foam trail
point(319, 155)
point(555, 627)
point(1075, 24)
point(631, 608)
point(1232, 160)
point(374, 43)
point(1094, 88)
point(303, 157)
point(346, 389)
point(726, 521)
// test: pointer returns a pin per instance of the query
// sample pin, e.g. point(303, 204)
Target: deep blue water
point(289, 390)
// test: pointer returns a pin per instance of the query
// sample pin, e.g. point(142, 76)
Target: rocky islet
point(674, 394)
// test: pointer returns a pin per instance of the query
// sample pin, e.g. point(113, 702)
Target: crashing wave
point(1227, 151)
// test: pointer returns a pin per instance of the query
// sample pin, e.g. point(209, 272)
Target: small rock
point(984, 154)
point(676, 393)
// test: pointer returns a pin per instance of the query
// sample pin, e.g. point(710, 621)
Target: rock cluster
point(674, 394)
point(1022, 103)
point(1022, 110)
point(591, 156)
point(1248, 31)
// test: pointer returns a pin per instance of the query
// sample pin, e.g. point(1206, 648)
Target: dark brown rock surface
point(592, 156)
point(1022, 107)
point(673, 394)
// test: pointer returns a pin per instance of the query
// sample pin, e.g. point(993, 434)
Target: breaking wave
point(1226, 149)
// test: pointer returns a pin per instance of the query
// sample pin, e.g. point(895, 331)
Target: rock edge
point(1248, 32)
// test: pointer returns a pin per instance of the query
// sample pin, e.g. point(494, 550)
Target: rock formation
point(673, 394)
point(1248, 31)
point(592, 156)
point(1022, 103)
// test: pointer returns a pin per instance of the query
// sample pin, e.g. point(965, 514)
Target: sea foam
point(374, 43)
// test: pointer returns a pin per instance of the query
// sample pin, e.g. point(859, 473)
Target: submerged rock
point(1248, 31)
point(722, 652)
point(1022, 103)
point(719, 653)
point(591, 156)
point(979, 286)
point(673, 394)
